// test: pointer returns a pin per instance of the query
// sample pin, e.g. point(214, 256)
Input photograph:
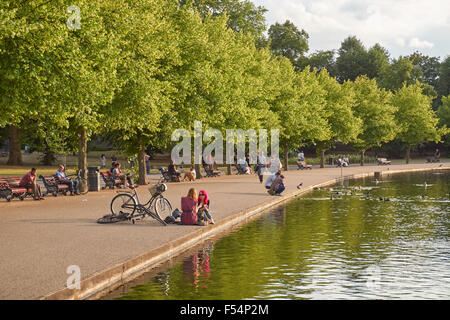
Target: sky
point(401, 26)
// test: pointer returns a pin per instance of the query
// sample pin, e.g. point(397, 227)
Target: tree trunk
point(322, 158)
point(229, 169)
point(82, 156)
point(15, 153)
point(286, 157)
point(142, 167)
point(197, 170)
point(362, 157)
point(49, 157)
point(408, 153)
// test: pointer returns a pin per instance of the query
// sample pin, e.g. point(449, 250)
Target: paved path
point(39, 240)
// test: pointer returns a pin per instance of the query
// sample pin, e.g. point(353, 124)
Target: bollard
point(93, 179)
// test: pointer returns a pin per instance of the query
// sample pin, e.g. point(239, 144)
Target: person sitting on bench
point(28, 181)
point(117, 174)
point(174, 174)
point(62, 179)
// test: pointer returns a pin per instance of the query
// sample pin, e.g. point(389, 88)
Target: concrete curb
point(108, 280)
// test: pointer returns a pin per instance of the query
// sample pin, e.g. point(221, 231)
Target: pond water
point(364, 239)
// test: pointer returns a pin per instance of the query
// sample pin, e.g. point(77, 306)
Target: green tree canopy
point(373, 106)
point(243, 15)
point(416, 119)
point(288, 41)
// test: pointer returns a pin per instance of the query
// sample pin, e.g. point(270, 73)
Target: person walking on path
point(260, 166)
point(103, 160)
point(28, 181)
point(147, 163)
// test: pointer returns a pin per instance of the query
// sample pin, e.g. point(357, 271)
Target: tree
point(352, 60)
point(429, 68)
point(344, 127)
point(399, 72)
point(444, 78)
point(319, 60)
point(378, 60)
point(444, 116)
point(243, 15)
point(415, 117)
point(288, 41)
point(27, 38)
point(302, 114)
point(138, 113)
point(373, 106)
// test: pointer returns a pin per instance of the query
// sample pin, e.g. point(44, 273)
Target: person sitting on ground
point(203, 208)
point(174, 174)
point(270, 179)
point(190, 175)
point(243, 165)
point(189, 208)
point(62, 179)
point(437, 155)
point(29, 181)
point(346, 161)
point(278, 185)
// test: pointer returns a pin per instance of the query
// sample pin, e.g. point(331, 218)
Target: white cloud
point(416, 43)
point(329, 22)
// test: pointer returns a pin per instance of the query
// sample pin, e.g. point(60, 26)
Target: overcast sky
point(401, 26)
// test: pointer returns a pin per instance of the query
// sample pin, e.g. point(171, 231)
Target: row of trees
point(136, 70)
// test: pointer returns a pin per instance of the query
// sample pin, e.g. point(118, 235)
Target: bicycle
point(127, 206)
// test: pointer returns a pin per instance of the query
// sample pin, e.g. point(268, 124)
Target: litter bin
point(93, 179)
point(331, 161)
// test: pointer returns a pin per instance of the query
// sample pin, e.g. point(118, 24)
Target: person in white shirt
point(301, 156)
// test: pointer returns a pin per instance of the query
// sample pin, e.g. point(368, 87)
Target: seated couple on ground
point(275, 184)
point(195, 208)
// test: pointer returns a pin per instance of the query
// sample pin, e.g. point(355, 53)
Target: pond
point(364, 239)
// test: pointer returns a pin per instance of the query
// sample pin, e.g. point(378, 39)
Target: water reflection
point(355, 246)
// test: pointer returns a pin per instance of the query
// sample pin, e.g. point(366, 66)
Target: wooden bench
point(383, 161)
point(109, 180)
point(10, 189)
point(52, 185)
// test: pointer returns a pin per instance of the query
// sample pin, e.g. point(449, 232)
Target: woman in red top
point(189, 208)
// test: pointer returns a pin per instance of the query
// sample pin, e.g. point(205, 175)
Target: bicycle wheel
point(123, 204)
point(163, 208)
